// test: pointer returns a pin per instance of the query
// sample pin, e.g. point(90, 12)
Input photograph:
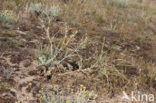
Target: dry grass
point(111, 41)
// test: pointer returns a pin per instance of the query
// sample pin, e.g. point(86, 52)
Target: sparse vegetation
point(6, 17)
point(81, 96)
point(106, 45)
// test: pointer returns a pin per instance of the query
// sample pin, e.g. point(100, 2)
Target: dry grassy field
point(77, 51)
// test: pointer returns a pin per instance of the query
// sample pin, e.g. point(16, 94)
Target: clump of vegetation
point(7, 73)
point(81, 96)
point(7, 16)
point(39, 10)
point(53, 11)
point(52, 56)
point(3, 86)
point(35, 9)
point(118, 3)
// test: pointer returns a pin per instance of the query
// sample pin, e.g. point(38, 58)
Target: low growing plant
point(7, 73)
point(81, 96)
point(7, 16)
